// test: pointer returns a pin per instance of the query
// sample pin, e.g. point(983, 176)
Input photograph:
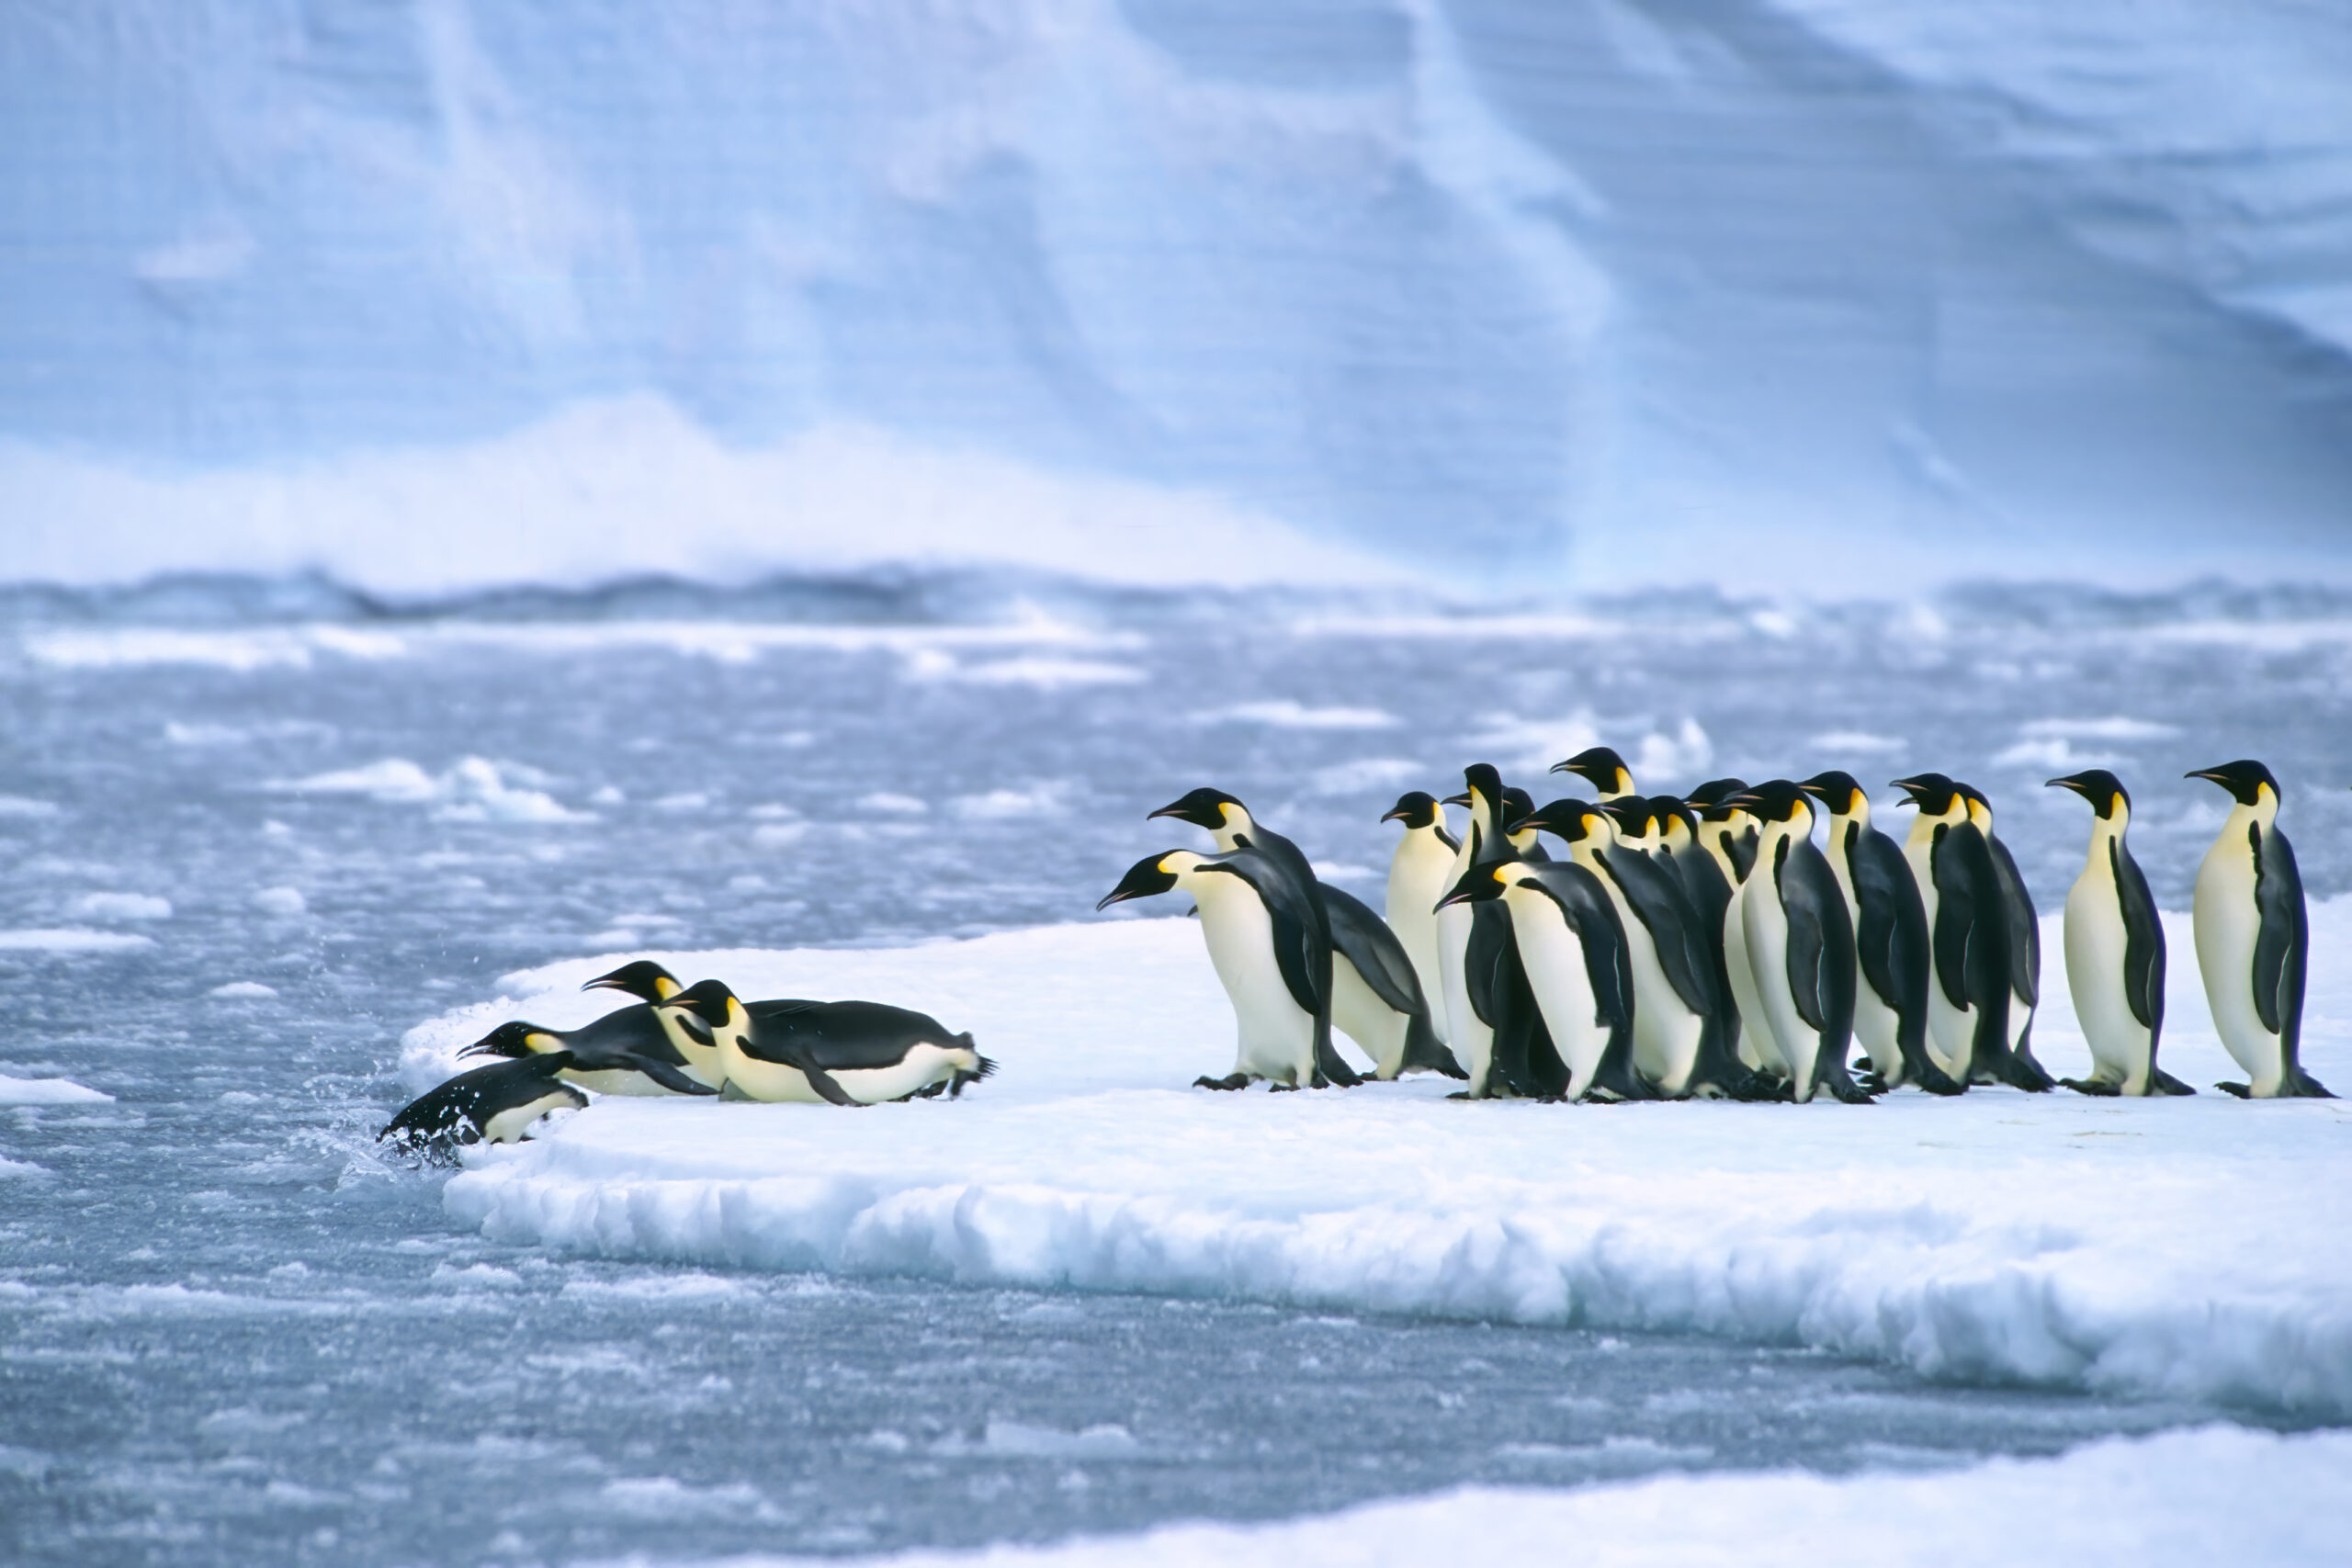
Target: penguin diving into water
point(1890, 925)
point(1229, 822)
point(1419, 875)
point(847, 1053)
point(494, 1104)
point(1800, 945)
point(1254, 920)
point(2253, 938)
point(1602, 768)
point(2115, 951)
point(1573, 947)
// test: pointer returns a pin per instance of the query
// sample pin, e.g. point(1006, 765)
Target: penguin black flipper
point(2143, 943)
point(1299, 871)
point(1609, 969)
point(1657, 900)
point(1293, 931)
point(2279, 945)
point(670, 1077)
point(1955, 912)
point(1891, 948)
point(1820, 962)
point(1365, 941)
point(2025, 925)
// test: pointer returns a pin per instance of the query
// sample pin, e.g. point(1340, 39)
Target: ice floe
point(47, 1091)
point(2183, 1247)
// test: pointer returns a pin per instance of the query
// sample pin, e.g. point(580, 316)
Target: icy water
point(232, 1333)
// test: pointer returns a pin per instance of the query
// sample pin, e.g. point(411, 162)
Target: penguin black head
point(1517, 803)
point(1149, 877)
point(2246, 779)
point(515, 1040)
point(1631, 813)
point(1602, 767)
point(1202, 808)
point(1480, 884)
point(1775, 800)
point(1715, 791)
point(2101, 788)
point(1415, 809)
point(1836, 789)
point(708, 1000)
point(1482, 779)
point(645, 980)
point(1931, 792)
point(1668, 810)
point(1573, 820)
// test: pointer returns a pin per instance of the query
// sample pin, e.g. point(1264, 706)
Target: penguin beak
point(2212, 775)
point(1462, 799)
point(1394, 816)
point(2073, 784)
point(1478, 882)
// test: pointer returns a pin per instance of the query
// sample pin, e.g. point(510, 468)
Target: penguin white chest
point(2096, 940)
point(1276, 1035)
point(1417, 880)
point(2227, 925)
point(1470, 1040)
point(1553, 955)
point(1767, 931)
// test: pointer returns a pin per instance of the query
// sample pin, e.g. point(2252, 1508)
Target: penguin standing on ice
point(1968, 935)
point(2025, 948)
point(1230, 823)
point(1496, 1028)
point(1890, 938)
point(1739, 847)
point(1800, 945)
point(1376, 996)
point(1679, 1041)
point(1706, 878)
point(1420, 875)
point(848, 1052)
point(1253, 919)
point(1573, 948)
point(2253, 938)
point(1727, 832)
point(494, 1104)
point(2115, 951)
point(1602, 768)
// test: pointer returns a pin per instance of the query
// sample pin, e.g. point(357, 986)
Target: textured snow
point(2190, 1499)
point(46, 1091)
point(460, 294)
point(71, 939)
point(2185, 1247)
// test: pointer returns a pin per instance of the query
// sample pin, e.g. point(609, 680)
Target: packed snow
point(2181, 1248)
point(2181, 1500)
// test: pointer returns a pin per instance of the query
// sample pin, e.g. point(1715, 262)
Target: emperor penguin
point(1573, 947)
point(1800, 945)
point(2254, 939)
point(2115, 951)
point(1634, 825)
point(1969, 946)
point(1679, 1041)
point(848, 1052)
point(1495, 1027)
point(1724, 828)
point(1890, 923)
point(2025, 947)
point(1741, 847)
point(1376, 996)
point(1526, 842)
point(654, 984)
point(1258, 934)
point(624, 1052)
point(1229, 822)
point(1419, 875)
point(494, 1104)
point(1706, 879)
point(1602, 768)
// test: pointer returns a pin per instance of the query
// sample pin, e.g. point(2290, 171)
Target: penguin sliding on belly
point(1800, 945)
point(1573, 947)
point(2253, 938)
point(624, 1052)
point(849, 1053)
point(1890, 925)
point(494, 1104)
point(1230, 823)
point(2115, 951)
point(1258, 941)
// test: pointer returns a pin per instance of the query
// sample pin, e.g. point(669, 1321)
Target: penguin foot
point(1234, 1080)
point(1284, 1088)
point(1848, 1092)
point(1461, 1094)
point(2244, 1092)
point(1872, 1082)
point(2091, 1086)
point(1935, 1081)
point(2305, 1086)
point(2162, 1082)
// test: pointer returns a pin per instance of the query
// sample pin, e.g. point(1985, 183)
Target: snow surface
point(455, 294)
point(46, 1091)
point(2193, 1498)
point(2185, 1247)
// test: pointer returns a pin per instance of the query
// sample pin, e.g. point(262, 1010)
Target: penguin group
point(700, 1040)
point(1706, 946)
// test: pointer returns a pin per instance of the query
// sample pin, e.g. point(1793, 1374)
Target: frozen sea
point(273, 847)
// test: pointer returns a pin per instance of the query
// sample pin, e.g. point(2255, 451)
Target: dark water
point(229, 1333)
